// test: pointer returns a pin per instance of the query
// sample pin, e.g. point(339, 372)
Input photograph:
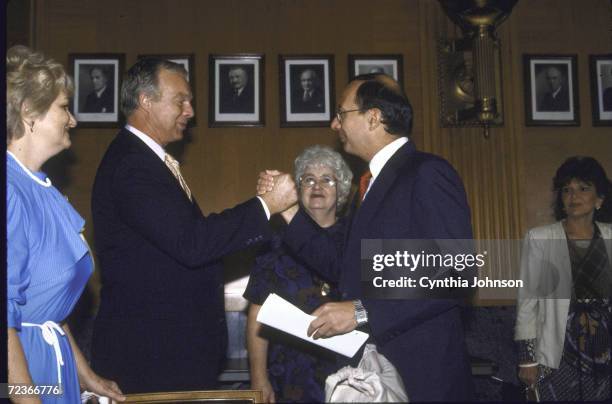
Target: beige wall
point(507, 176)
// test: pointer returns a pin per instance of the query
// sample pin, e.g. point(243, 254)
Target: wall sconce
point(469, 68)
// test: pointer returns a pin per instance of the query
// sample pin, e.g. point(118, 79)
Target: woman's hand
point(266, 389)
point(101, 386)
point(528, 375)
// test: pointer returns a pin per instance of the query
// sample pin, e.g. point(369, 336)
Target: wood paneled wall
point(507, 177)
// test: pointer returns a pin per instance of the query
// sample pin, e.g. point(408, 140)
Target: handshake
point(279, 192)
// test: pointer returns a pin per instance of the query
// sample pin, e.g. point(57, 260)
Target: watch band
point(361, 315)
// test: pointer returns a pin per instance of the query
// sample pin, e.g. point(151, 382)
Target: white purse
point(374, 380)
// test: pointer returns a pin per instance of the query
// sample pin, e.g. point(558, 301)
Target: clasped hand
point(278, 190)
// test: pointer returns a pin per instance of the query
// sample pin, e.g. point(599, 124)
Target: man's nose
point(335, 124)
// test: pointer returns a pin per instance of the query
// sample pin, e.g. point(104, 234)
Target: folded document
point(278, 313)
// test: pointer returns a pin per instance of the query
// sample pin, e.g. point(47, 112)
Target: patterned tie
point(173, 165)
point(364, 181)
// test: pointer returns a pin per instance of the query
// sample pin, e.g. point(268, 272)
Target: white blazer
point(546, 265)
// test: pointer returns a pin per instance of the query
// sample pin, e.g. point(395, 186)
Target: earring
point(32, 126)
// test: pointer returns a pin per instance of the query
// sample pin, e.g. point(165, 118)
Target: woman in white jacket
point(564, 311)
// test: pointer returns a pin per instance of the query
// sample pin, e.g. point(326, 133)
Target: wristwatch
point(361, 315)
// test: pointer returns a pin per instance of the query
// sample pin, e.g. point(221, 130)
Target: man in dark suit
point(309, 97)
point(557, 98)
point(238, 97)
point(161, 323)
point(411, 195)
point(101, 99)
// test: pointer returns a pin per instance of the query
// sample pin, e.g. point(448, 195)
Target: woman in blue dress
point(49, 262)
point(284, 368)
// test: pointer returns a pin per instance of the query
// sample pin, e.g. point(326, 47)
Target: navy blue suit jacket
point(416, 196)
point(161, 323)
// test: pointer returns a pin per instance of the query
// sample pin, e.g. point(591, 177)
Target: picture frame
point(236, 90)
point(551, 90)
point(306, 90)
point(199, 396)
point(188, 62)
point(600, 72)
point(391, 65)
point(97, 82)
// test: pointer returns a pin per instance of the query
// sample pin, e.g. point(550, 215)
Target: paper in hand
point(278, 313)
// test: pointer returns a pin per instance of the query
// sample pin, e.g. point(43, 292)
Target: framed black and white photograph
point(236, 90)
point(391, 65)
point(97, 80)
point(551, 90)
point(306, 90)
point(188, 62)
point(600, 71)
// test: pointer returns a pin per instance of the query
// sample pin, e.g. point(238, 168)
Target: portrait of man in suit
point(556, 95)
point(161, 321)
point(307, 95)
point(101, 98)
point(407, 194)
point(237, 94)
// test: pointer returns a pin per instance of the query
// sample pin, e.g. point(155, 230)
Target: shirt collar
point(380, 159)
point(100, 91)
point(153, 145)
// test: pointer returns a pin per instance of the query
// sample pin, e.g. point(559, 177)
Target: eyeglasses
point(309, 181)
point(340, 112)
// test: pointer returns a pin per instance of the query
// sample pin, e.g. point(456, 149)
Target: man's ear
point(144, 101)
point(374, 118)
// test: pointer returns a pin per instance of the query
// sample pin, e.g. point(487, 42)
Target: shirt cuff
point(263, 203)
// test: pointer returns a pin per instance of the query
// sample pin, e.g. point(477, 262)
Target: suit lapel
point(135, 145)
point(383, 184)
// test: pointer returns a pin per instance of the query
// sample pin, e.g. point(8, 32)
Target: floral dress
point(296, 369)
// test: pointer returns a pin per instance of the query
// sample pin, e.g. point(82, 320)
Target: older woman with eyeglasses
point(288, 370)
point(48, 259)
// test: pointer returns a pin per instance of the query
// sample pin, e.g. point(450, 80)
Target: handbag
point(374, 380)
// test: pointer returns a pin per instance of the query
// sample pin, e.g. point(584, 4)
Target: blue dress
point(48, 267)
point(297, 370)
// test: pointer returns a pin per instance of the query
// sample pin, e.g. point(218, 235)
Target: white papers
point(278, 313)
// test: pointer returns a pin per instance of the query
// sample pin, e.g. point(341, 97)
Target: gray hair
point(325, 156)
point(33, 81)
point(143, 77)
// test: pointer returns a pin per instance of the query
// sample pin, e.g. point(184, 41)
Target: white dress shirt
point(380, 159)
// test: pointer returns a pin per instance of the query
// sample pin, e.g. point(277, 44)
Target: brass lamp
point(470, 68)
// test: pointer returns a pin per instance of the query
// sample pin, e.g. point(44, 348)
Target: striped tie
point(173, 165)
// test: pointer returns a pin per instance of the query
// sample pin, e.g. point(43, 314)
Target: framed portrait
point(97, 80)
point(391, 65)
point(600, 71)
point(188, 62)
point(306, 90)
point(551, 90)
point(236, 90)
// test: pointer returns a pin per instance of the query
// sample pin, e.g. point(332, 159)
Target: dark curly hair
point(382, 92)
point(588, 170)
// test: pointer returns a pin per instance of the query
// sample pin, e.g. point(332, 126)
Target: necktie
point(364, 181)
point(173, 165)
point(307, 96)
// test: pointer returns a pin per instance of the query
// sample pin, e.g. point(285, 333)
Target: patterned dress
point(584, 371)
point(297, 370)
point(48, 267)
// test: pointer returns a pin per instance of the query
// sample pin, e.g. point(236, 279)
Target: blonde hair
point(31, 80)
